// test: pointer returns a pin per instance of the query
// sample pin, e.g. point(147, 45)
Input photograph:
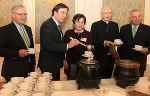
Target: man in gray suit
point(53, 49)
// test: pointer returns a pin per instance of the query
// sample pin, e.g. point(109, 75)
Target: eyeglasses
point(21, 14)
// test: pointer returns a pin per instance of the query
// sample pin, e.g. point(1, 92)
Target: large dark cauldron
point(126, 73)
point(88, 75)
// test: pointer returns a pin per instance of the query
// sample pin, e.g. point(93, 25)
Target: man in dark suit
point(130, 39)
point(52, 47)
point(104, 32)
point(13, 46)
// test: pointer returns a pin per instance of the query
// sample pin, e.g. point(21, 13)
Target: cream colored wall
point(147, 12)
point(30, 7)
point(121, 9)
point(43, 11)
point(91, 10)
point(5, 7)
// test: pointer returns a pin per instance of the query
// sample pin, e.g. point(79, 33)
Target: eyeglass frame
point(21, 14)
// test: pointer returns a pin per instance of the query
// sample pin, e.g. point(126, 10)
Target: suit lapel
point(56, 28)
point(138, 33)
point(29, 32)
point(130, 32)
point(17, 35)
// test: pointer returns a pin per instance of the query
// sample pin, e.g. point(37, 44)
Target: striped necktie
point(25, 37)
point(134, 30)
point(60, 31)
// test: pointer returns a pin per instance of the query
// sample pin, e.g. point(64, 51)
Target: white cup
point(48, 75)
point(15, 80)
point(138, 47)
point(43, 79)
point(30, 80)
point(117, 41)
point(88, 54)
point(25, 87)
point(31, 50)
point(42, 86)
point(33, 74)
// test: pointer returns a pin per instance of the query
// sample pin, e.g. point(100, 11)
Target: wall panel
point(5, 6)
point(121, 9)
point(90, 8)
point(43, 11)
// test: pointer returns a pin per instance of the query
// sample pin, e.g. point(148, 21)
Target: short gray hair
point(16, 7)
point(135, 10)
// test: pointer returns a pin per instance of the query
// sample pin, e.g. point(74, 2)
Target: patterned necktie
point(60, 31)
point(134, 29)
point(25, 37)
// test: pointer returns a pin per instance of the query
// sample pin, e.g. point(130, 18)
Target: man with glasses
point(15, 40)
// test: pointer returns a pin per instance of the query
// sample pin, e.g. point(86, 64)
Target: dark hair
point(58, 6)
point(78, 17)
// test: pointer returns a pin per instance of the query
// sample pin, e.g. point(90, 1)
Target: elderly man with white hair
point(104, 32)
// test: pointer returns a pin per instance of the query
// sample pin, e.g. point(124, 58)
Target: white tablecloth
point(107, 88)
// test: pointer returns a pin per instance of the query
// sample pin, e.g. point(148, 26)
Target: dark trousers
point(106, 66)
point(106, 72)
point(56, 76)
point(141, 73)
point(71, 72)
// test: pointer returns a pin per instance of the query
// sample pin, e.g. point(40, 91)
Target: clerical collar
point(105, 21)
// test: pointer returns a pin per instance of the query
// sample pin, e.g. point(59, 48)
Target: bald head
point(106, 13)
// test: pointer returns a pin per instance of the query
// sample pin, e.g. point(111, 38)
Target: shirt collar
point(57, 23)
point(105, 21)
point(135, 26)
point(18, 26)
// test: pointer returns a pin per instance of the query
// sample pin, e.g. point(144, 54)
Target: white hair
point(16, 7)
point(105, 7)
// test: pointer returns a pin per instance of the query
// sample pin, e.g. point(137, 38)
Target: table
point(107, 86)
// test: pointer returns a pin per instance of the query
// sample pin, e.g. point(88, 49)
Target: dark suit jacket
point(10, 43)
point(100, 32)
point(142, 37)
point(52, 47)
